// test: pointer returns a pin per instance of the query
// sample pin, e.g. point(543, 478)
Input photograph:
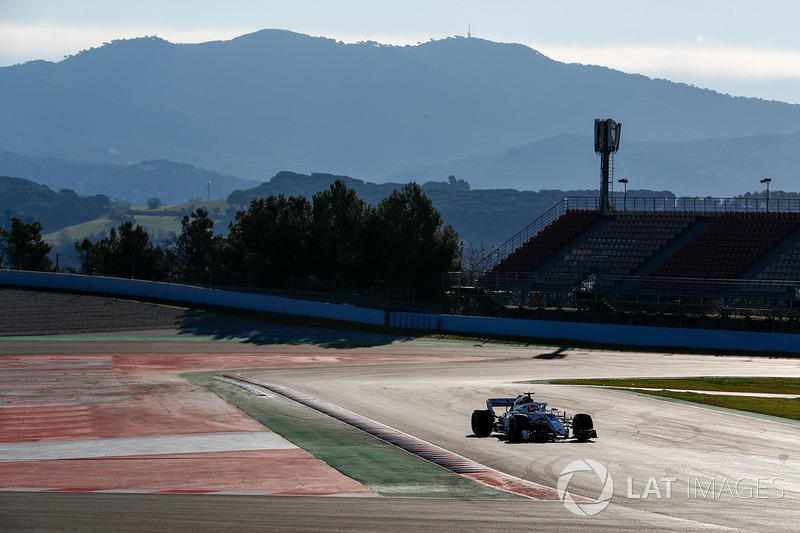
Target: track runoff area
point(209, 421)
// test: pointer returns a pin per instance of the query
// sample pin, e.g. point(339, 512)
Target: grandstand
point(723, 263)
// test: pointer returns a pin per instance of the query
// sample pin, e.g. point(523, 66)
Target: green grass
point(780, 407)
point(380, 466)
point(79, 231)
point(159, 221)
point(221, 205)
point(144, 210)
point(717, 384)
point(154, 225)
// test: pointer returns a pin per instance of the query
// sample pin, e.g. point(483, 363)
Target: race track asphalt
point(674, 467)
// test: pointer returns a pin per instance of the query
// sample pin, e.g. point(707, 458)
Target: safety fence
point(550, 331)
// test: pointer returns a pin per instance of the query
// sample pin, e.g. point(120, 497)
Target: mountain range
point(170, 182)
point(493, 114)
point(710, 167)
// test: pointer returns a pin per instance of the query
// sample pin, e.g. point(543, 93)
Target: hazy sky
point(733, 46)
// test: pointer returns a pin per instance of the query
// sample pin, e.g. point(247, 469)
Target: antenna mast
point(606, 142)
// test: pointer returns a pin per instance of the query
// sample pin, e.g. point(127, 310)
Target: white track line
point(152, 445)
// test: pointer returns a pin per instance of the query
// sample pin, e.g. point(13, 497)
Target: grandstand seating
point(540, 247)
point(623, 245)
point(785, 267)
point(730, 244)
point(663, 246)
point(716, 263)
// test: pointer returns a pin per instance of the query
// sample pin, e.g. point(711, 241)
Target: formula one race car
point(525, 419)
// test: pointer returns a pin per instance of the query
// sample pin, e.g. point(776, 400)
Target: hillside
point(479, 216)
point(718, 167)
point(275, 100)
point(31, 201)
point(171, 182)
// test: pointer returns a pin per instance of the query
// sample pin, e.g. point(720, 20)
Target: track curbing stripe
point(422, 449)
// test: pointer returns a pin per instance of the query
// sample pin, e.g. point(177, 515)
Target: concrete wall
point(627, 335)
point(547, 330)
point(191, 294)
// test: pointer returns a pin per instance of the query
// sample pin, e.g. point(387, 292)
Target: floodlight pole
point(624, 182)
point(767, 180)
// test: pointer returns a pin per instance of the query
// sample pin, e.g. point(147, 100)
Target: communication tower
point(606, 142)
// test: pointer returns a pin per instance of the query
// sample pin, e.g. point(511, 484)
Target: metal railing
point(690, 204)
point(504, 250)
point(599, 283)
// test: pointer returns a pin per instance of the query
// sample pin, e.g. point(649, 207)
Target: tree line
point(55, 210)
point(22, 247)
point(279, 241)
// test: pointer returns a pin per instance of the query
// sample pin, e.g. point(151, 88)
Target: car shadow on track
point(506, 440)
point(557, 354)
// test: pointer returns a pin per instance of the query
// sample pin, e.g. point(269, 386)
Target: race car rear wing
point(499, 402)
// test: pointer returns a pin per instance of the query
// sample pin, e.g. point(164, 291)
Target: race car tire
point(482, 422)
point(583, 427)
point(516, 425)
